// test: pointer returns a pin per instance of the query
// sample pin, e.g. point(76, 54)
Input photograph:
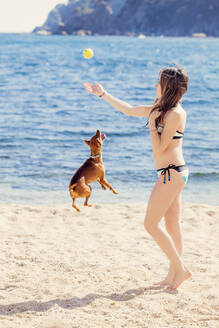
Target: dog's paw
point(89, 205)
point(77, 209)
point(103, 187)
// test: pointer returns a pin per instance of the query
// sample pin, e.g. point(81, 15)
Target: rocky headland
point(134, 17)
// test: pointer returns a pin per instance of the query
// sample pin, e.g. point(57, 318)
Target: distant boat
point(199, 35)
point(141, 36)
point(43, 32)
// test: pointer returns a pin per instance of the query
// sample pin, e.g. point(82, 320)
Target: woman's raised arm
point(122, 106)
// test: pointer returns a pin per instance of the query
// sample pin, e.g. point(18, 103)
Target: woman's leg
point(161, 199)
point(172, 223)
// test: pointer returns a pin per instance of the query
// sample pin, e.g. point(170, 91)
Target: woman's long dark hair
point(174, 84)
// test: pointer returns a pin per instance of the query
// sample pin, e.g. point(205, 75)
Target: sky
point(24, 15)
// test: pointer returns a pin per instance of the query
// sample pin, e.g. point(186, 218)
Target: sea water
point(45, 112)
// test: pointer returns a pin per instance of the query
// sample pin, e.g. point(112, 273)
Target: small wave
point(205, 175)
point(22, 73)
point(31, 64)
point(4, 157)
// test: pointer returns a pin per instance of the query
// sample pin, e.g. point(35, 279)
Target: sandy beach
point(96, 268)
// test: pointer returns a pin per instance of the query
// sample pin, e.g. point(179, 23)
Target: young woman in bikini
point(166, 120)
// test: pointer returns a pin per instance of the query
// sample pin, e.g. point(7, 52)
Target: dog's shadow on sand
point(76, 302)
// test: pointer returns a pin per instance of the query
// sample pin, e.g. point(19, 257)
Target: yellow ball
point(88, 53)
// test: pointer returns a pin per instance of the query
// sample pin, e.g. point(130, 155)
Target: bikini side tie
point(165, 170)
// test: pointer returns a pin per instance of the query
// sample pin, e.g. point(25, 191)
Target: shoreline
point(95, 204)
point(202, 194)
point(114, 36)
point(97, 268)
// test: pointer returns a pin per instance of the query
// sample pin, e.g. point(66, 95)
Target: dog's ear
point(98, 134)
point(87, 142)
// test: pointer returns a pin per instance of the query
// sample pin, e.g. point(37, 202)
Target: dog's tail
point(72, 190)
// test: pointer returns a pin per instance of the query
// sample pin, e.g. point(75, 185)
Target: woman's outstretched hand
point(96, 89)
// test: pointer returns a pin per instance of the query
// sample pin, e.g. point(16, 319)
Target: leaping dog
point(92, 170)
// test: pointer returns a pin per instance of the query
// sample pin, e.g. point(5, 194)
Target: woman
point(167, 121)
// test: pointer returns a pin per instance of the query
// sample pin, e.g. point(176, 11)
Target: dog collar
point(95, 156)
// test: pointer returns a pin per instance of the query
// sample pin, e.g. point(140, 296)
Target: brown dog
point(92, 170)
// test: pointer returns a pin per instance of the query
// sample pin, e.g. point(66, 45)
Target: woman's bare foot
point(180, 277)
point(169, 278)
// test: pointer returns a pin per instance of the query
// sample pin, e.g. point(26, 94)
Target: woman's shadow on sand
point(76, 302)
